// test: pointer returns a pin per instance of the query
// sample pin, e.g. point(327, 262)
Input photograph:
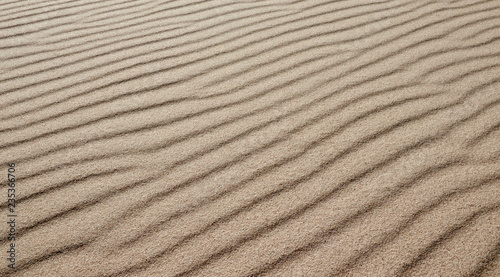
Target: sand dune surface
point(250, 138)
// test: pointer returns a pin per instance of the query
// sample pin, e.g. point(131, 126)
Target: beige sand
point(251, 138)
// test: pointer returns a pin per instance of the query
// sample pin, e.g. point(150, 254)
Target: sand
point(250, 138)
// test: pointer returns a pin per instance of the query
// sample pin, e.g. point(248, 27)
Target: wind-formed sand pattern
point(251, 138)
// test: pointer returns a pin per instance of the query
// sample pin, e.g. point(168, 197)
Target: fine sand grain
point(250, 138)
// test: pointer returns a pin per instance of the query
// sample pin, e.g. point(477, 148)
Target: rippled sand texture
point(252, 138)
